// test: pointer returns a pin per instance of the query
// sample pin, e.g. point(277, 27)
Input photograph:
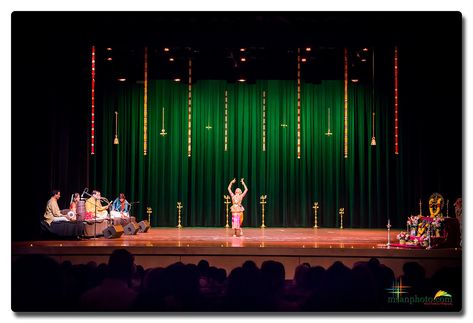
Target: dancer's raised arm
point(244, 185)
point(230, 187)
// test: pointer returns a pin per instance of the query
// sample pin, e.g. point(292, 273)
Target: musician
point(53, 213)
point(73, 206)
point(59, 224)
point(120, 210)
point(94, 207)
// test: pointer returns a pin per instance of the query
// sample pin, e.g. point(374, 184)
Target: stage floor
point(292, 246)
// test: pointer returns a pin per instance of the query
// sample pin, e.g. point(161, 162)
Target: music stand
point(131, 205)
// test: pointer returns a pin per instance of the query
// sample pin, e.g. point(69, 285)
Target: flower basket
point(403, 237)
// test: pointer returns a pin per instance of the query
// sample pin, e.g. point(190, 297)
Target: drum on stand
point(81, 210)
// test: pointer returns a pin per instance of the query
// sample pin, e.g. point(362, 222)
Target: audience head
point(36, 284)
point(121, 264)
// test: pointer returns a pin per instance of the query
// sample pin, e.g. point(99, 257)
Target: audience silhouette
point(41, 284)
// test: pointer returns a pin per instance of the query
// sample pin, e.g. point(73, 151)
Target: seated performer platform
point(92, 228)
point(61, 229)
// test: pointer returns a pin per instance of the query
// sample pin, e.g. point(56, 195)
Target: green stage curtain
point(367, 184)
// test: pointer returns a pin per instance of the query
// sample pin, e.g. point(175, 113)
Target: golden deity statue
point(436, 203)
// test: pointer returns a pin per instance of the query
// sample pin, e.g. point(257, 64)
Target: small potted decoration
point(423, 241)
point(403, 237)
point(412, 223)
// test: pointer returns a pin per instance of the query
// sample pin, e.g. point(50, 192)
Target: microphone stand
point(95, 219)
point(131, 205)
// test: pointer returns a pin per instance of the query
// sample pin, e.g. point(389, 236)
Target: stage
point(292, 246)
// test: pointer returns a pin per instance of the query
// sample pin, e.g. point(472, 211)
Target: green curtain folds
point(367, 184)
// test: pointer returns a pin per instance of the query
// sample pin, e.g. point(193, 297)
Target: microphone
point(84, 192)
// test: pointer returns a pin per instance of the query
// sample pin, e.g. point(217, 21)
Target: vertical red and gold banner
point(189, 112)
point(226, 121)
point(345, 114)
point(396, 106)
point(145, 105)
point(299, 103)
point(92, 120)
point(264, 120)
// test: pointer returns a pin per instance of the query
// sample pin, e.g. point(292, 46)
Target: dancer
point(237, 209)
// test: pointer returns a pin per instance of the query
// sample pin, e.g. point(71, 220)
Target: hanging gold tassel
point(163, 131)
point(115, 141)
point(373, 139)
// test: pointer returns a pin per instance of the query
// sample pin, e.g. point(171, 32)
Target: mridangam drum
point(81, 209)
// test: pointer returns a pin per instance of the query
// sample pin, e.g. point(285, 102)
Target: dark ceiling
point(213, 40)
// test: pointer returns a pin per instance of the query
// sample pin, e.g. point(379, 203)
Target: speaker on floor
point(144, 226)
point(113, 231)
point(131, 228)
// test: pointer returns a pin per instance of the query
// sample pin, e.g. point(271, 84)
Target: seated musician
point(60, 224)
point(73, 206)
point(94, 208)
point(53, 213)
point(120, 210)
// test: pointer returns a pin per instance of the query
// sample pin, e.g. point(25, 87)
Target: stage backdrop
point(367, 184)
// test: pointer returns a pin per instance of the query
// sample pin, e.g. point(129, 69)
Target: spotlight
point(177, 79)
point(243, 59)
point(171, 59)
point(354, 80)
point(242, 49)
point(109, 48)
point(363, 60)
point(304, 60)
point(242, 80)
point(166, 49)
point(308, 49)
point(109, 58)
point(121, 79)
point(365, 49)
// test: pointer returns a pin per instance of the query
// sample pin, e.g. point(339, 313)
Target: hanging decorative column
point(264, 120)
point(345, 118)
point(396, 129)
point(189, 111)
point(328, 133)
point(373, 137)
point(226, 122)
point(145, 106)
point(115, 141)
point(163, 131)
point(92, 119)
point(299, 103)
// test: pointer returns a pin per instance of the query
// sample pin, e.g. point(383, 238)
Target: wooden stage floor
point(291, 246)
